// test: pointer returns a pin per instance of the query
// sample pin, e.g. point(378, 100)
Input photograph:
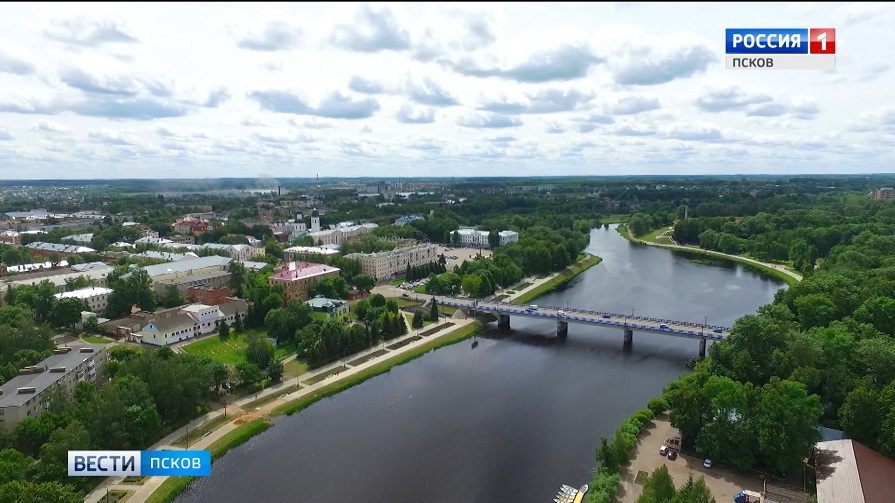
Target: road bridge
point(563, 316)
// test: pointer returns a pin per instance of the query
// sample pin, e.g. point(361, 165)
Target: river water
point(507, 421)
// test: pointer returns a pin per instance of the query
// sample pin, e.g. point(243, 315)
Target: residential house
point(388, 264)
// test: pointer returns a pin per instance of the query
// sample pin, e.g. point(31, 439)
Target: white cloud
point(431, 90)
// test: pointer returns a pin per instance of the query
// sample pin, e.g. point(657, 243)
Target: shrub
point(657, 405)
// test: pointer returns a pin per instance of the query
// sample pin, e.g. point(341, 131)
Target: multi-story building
point(297, 277)
point(24, 395)
point(386, 265)
point(96, 297)
point(309, 252)
point(881, 194)
point(46, 249)
point(340, 235)
point(474, 238)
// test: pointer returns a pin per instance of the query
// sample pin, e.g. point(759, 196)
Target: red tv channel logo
point(822, 41)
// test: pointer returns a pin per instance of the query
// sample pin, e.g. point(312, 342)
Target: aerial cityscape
point(444, 252)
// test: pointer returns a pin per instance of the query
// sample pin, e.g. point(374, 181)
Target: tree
point(237, 323)
point(224, 330)
point(172, 297)
point(658, 488)
point(694, 492)
point(54, 259)
point(417, 320)
point(493, 238)
point(471, 284)
point(259, 350)
point(67, 312)
point(364, 282)
point(274, 370)
point(861, 414)
point(248, 374)
point(433, 311)
point(238, 277)
point(786, 422)
point(77, 283)
point(91, 325)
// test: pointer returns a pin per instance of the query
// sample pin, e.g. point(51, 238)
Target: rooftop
point(301, 270)
point(185, 266)
point(312, 250)
point(85, 293)
point(43, 380)
point(849, 471)
point(200, 276)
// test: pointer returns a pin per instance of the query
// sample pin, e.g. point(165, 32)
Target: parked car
point(663, 450)
point(672, 454)
point(607, 316)
point(707, 463)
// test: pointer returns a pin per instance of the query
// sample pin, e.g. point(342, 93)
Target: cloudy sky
point(118, 90)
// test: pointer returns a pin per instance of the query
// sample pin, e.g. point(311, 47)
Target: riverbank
point(777, 271)
point(244, 427)
point(555, 280)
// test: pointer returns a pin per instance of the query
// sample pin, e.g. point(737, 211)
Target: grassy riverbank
point(173, 486)
point(768, 271)
point(375, 370)
point(562, 277)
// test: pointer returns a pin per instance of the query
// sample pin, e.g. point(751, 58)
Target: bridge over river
point(563, 316)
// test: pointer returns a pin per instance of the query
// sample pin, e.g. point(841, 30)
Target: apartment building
point(386, 265)
point(340, 235)
point(297, 277)
point(24, 395)
point(474, 238)
point(305, 252)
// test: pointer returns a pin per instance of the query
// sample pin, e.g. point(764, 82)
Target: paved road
point(691, 330)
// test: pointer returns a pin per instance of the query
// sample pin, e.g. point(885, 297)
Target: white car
point(707, 463)
point(663, 450)
point(561, 313)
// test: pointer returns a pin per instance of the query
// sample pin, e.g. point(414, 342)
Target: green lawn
point(402, 303)
point(294, 369)
point(450, 310)
point(320, 315)
point(229, 351)
point(92, 339)
point(653, 237)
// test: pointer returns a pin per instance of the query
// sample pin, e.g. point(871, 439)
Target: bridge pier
point(702, 348)
point(629, 339)
point(503, 322)
point(562, 329)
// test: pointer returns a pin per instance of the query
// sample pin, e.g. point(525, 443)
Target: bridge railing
point(597, 321)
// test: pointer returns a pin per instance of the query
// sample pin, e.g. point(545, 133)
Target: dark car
point(672, 454)
point(607, 316)
point(717, 330)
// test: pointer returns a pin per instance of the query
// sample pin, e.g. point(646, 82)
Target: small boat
point(579, 498)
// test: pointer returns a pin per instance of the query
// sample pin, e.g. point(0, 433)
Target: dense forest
point(823, 353)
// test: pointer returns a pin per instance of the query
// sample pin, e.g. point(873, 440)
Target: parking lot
point(723, 482)
point(456, 256)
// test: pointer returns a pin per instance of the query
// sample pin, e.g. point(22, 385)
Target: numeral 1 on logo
point(823, 41)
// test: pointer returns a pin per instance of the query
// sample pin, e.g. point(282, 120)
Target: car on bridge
point(606, 316)
point(561, 313)
point(717, 330)
point(533, 307)
point(663, 326)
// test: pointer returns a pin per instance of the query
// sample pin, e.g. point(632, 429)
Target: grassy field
point(448, 310)
point(402, 303)
point(294, 369)
point(409, 318)
point(92, 339)
point(172, 486)
point(563, 277)
point(228, 351)
point(653, 237)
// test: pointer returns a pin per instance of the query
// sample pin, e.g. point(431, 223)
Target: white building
point(339, 235)
point(147, 240)
point(191, 321)
point(96, 297)
point(385, 265)
point(205, 316)
point(474, 238)
point(301, 253)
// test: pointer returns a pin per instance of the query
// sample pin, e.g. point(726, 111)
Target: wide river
point(507, 421)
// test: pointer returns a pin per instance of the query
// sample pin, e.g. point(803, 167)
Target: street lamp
point(704, 323)
point(632, 312)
